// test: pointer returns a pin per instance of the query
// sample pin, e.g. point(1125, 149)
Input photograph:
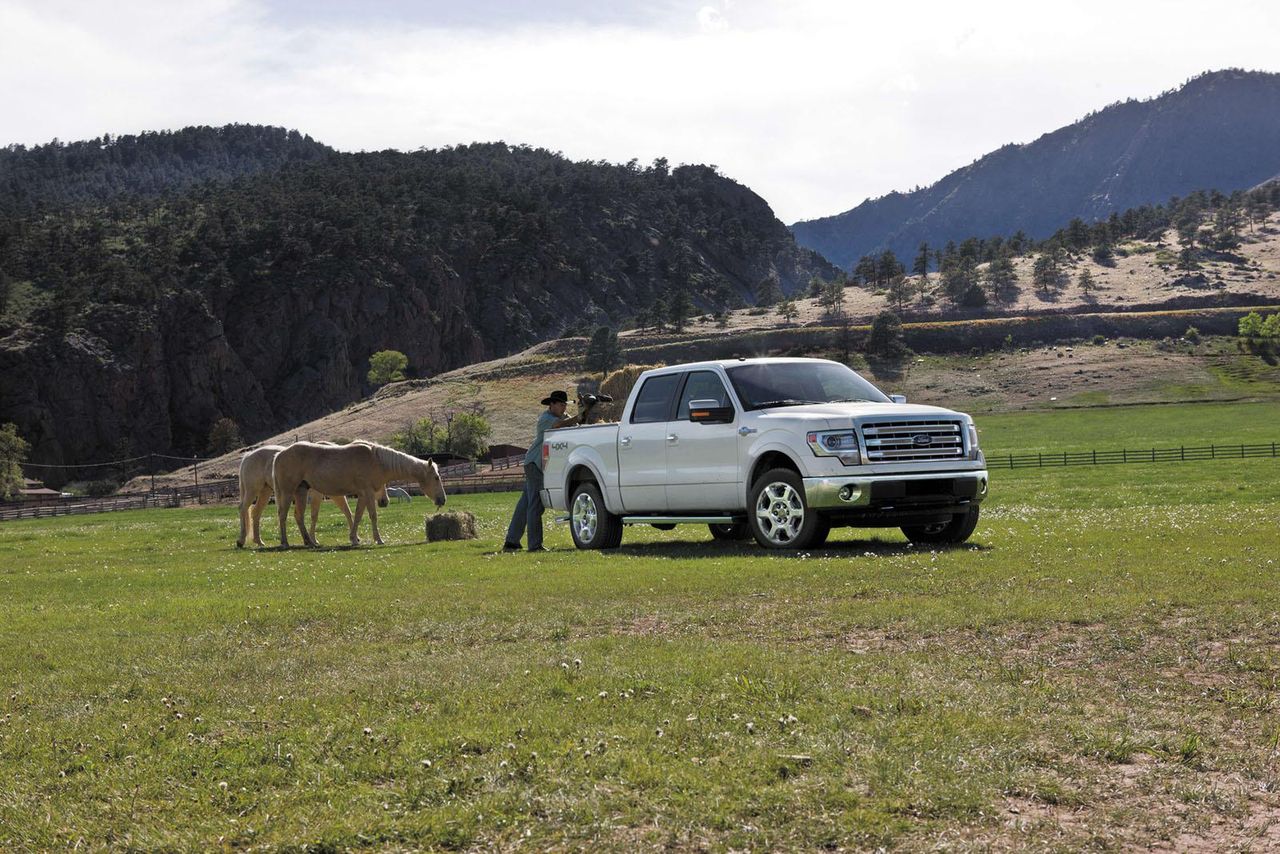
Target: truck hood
point(841, 414)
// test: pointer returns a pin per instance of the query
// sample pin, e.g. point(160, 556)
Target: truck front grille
point(912, 441)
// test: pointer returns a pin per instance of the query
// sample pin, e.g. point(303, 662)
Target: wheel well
point(771, 460)
point(578, 474)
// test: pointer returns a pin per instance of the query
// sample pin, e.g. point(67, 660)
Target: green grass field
point(1098, 668)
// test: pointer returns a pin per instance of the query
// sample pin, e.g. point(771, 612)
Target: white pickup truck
point(779, 449)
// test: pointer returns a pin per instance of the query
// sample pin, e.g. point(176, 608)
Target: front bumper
point(892, 491)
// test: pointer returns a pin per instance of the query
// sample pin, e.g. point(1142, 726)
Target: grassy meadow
point(1098, 668)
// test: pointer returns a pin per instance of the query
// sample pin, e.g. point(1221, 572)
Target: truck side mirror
point(898, 398)
point(710, 412)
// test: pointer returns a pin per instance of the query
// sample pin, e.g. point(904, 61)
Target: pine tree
point(603, 351)
point(886, 339)
point(1002, 279)
point(1086, 282)
point(678, 310)
point(769, 291)
point(921, 265)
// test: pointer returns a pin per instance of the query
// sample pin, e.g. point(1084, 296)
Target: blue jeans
point(529, 509)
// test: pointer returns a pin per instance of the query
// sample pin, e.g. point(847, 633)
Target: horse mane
point(397, 461)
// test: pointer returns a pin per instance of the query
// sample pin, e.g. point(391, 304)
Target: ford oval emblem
point(922, 440)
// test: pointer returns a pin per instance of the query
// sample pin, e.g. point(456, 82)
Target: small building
point(35, 491)
point(502, 452)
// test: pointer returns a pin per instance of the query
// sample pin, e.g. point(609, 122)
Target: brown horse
point(359, 469)
point(256, 491)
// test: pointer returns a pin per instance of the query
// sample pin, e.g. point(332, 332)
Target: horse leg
point(341, 501)
point(259, 504)
point(244, 517)
point(299, 507)
point(355, 523)
point(284, 497)
point(316, 499)
point(373, 516)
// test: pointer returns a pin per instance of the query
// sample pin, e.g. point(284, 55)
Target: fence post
point(1213, 452)
point(1124, 455)
point(1183, 454)
point(1011, 459)
point(1095, 456)
point(1064, 458)
point(1153, 455)
point(1040, 458)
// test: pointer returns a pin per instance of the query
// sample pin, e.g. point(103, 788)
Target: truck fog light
point(849, 492)
point(982, 486)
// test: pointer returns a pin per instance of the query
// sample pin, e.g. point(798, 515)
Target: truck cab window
point(701, 385)
point(653, 403)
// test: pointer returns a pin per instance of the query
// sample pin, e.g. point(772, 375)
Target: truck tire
point(731, 531)
point(778, 514)
point(590, 523)
point(944, 533)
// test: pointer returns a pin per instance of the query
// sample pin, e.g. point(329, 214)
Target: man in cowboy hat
point(528, 512)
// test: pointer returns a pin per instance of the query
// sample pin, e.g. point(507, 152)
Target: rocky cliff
point(132, 324)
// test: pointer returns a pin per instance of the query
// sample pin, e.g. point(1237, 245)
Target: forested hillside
point(134, 322)
point(1221, 130)
point(58, 174)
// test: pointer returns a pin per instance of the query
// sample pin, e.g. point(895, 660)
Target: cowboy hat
point(556, 396)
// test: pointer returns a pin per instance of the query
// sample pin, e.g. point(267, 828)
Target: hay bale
point(618, 385)
point(451, 526)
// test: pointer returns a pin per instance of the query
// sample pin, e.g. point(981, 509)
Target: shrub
point(100, 488)
point(387, 366)
point(1192, 334)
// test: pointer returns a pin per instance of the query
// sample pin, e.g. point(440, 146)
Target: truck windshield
point(764, 385)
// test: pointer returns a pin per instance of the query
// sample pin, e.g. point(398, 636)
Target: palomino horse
point(256, 491)
point(359, 469)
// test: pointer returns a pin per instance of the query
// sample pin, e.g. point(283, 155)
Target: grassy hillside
point(1097, 669)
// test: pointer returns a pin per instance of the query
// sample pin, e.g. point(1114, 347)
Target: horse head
point(429, 480)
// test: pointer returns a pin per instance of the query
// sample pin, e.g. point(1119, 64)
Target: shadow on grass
point(843, 548)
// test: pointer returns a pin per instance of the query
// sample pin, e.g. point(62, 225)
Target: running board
point(664, 520)
point(677, 520)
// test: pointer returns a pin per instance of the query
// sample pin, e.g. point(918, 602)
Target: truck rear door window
point(653, 403)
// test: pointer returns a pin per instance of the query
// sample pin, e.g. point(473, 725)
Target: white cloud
point(815, 105)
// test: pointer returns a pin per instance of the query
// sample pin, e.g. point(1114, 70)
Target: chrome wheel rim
point(585, 517)
point(779, 513)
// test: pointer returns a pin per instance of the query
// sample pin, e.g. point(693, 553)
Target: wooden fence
point(1180, 454)
point(214, 490)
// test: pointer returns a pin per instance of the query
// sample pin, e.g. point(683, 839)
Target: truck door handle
point(746, 431)
point(672, 437)
point(625, 441)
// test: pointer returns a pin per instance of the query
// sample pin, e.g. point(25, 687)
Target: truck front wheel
point(778, 514)
point(944, 533)
point(592, 525)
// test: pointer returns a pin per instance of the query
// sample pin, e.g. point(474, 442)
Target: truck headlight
point(974, 453)
point(842, 444)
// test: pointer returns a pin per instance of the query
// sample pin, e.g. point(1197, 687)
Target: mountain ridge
point(1220, 129)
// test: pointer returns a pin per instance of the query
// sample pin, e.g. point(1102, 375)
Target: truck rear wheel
point(951, 533)
point(778, 514)
point(590, 522)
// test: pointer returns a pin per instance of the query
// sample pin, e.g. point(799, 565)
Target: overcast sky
point(814, 104)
